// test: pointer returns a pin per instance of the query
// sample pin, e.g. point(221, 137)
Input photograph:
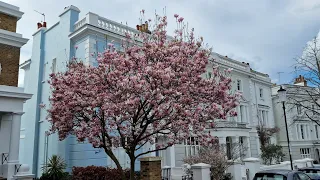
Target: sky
point(268, 34)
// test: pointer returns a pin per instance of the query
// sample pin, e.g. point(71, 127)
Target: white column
point(172, 156)
point(239, 114)
point(14, 144)
point(248, 146)
point(15, 138)
point(235, 142)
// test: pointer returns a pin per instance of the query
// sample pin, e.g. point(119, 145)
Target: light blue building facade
point(52, 49)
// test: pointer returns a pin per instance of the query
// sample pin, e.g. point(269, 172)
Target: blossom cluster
point(149, 90)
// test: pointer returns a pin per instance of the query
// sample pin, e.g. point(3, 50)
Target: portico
point(11, 110)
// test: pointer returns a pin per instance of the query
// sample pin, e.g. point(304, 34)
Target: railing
point(17, 168)
point(80, 23)
point(106, 24)
point(116, 27)
point(4, 158)
point(230, 124)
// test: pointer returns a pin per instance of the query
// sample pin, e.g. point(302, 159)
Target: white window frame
point(263, 113)
point(299, 109)
point(54, 65)
point(192, 146)
point(261, 93)
point(239, 84)
point(302, 133)
point(305, 153)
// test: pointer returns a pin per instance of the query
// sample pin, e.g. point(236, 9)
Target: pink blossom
point(176, 15)
point(76, 47)
point(148, 88)
point(142, 11)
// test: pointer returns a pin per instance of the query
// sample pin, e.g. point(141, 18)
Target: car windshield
point(270, 176)
point(312, 172)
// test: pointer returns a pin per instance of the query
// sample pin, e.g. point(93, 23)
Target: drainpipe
point(38, 110)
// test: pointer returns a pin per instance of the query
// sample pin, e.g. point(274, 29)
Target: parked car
point(313, 172)
point(277, 174)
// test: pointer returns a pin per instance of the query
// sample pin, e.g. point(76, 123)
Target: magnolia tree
point(145, 91)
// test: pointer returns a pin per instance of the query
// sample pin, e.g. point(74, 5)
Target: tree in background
point(306, 99)
point(216, 156)
point(148, 90)
point(270, 153)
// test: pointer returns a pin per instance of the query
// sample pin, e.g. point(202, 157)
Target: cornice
point(23, 96)
point(25, 64)
point(12, 39)
point(10, 10)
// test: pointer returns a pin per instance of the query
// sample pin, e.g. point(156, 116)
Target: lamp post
point(283, 98)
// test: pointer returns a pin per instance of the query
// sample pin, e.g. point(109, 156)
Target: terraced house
point(84, 37)
point(300, 109)
point(12, 97)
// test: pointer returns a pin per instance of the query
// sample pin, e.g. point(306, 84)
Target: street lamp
point(282, 93)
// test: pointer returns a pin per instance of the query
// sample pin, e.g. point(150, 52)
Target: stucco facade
point(303, 133)
point(240, 129)
point(83, 38)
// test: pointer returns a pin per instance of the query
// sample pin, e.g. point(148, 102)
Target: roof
point(276, 171)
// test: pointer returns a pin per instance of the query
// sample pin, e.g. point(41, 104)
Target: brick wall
point(8, 23)
point(150, 168)
point(9, 60)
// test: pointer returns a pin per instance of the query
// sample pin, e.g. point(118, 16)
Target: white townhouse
point(303, 133)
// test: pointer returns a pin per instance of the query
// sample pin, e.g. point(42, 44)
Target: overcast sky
point(268, 34)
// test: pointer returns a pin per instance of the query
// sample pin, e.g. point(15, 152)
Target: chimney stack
point(300, 81)
point(39, 25)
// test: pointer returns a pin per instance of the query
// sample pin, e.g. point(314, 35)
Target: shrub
point(54, 169)
point(99, 173)
point(272, 154)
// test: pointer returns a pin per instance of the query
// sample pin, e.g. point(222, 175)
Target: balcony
point(231, 124)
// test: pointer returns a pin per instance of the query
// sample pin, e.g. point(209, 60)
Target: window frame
point(54, 65)
point(305, 153)
point(239, 85)
point(261, 93)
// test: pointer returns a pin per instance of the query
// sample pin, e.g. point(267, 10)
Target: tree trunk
point(132, 163)
point(115, 160)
